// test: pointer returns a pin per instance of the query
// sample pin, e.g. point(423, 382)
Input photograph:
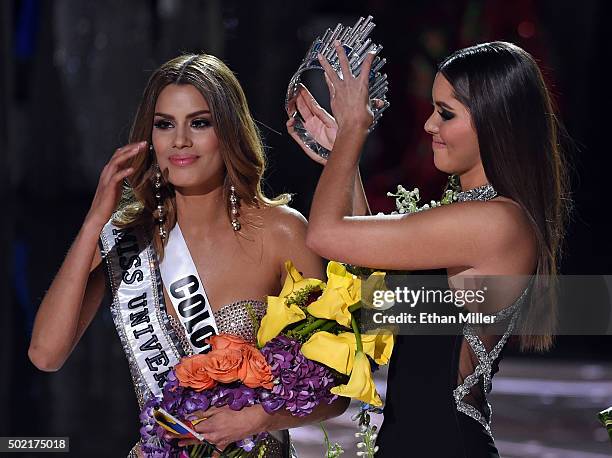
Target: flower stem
point(357, 334)
point(312, 326)
point(328, 326)
point(355, 306)
point(326, 437)
point(300, 326)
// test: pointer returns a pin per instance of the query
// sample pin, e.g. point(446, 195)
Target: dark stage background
point(72, 74)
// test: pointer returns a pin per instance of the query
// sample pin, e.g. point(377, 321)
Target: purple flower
point(240, 397)
point(246, 444)
point(269, 402)
point(302, 384)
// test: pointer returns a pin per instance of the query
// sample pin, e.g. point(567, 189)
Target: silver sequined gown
point(232, 319)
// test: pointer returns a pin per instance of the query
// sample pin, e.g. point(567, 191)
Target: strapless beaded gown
point(232, 319)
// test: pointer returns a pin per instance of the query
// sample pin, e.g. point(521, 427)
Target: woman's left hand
point(319, 123)
point(348, 95)
point(223, 426)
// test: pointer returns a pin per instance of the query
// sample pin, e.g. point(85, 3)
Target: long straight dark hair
point(519, 139)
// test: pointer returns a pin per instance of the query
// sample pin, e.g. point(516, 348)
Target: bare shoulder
point(285, 231)
point(496, 234)
point(510, 218)
point(284, 222)
point(502, 223)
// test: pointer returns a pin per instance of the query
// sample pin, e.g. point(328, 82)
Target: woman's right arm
point(77, 290)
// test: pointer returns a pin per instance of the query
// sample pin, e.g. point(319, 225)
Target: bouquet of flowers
point(325, 318)
point(309, 351)
point(236, 374)
point(322, 316)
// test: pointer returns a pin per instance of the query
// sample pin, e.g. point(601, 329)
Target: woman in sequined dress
point(492, 125)
point(193, 124)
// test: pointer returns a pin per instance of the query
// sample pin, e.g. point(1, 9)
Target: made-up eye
point(446, 115)
point(162, 124)
point(200, 123)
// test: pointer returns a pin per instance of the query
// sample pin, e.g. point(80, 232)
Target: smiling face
point(185, 141)
point(454, 139)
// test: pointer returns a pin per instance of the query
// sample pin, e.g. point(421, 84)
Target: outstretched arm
point(431, 239)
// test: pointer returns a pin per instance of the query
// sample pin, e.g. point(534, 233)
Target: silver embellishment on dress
point(233, 318)
point(484, 368)
point(484, 192)
point(181, 337)
point(486, 360)
point(239, 318)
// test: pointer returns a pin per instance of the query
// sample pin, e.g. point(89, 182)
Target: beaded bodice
point(238, 318)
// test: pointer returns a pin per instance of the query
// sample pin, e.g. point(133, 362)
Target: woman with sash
point(192, 248)
point(493, 125)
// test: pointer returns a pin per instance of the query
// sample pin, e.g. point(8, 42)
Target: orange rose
point(191, 372)
point(255, 371)
point(230, 341)
point(223, 365)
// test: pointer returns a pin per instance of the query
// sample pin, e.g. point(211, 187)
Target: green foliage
point(408, 201)
point(331, 450)
point(301, 296)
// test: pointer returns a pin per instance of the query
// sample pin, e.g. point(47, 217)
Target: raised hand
point(318, 122)
point(349, 95)
point(108, 191)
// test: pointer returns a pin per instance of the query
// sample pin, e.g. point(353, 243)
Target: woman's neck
point(197, 213)
point(473, 178)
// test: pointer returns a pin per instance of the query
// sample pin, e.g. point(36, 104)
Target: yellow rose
point(343, 290)
point(277, 317)
point(294, 281)
point(361, 385)
point(335, 351)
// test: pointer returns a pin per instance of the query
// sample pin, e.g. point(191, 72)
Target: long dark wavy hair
point(240, 142)
point(519, 137)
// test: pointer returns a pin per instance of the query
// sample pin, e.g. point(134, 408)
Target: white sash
point(186, 292)
point(136, 307)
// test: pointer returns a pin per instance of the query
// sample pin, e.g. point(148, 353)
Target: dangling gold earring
point(234, 208)
point(159, 213)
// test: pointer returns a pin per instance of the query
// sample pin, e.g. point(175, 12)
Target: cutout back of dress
point(437, 384)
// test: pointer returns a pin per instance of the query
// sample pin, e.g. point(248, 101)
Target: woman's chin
point(442, 165)
point(187, 179)
point(194, 186)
